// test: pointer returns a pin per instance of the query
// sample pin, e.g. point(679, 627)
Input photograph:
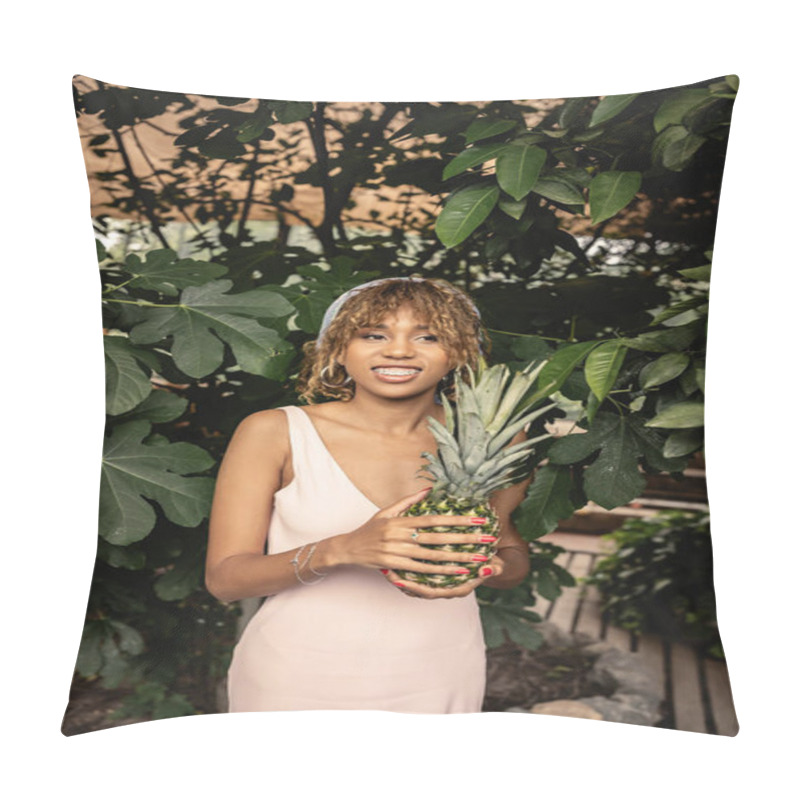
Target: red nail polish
point(401, 585)
point(462, 571)
point(385, 571)
point(479, 558)
point(488, 538)
point(477, 520)
point(486, 571)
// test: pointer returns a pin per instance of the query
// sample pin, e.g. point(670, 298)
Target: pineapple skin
point(454, 507)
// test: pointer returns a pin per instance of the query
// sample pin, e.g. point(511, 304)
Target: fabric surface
point(350, 641)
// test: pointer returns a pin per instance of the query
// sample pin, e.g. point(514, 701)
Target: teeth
point(389, 371)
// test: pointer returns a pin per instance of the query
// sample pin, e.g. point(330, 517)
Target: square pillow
point(581, 229)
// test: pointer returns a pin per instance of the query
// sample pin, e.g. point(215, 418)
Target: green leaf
point(680, 151)
point(667, 340)
point(523, 634)
point(673, 108)
point(683, 442)
point(129, 639)
point(547, 502)
point(518, 168)
point(562, 363)
point(126, 557)
point(679, 308)
point(133, 471)
point(610, 192)
point(697, 273)
point(162, 271)
point(560, 189)
point(613, 479)
point(651, 443)
point(161, 405)
point(90, 659)
point(680, 415)
point(663, 369)
point(127, 380)
point(514, 208)
point(102, 255)
point(603, 365)
point(471, 157)
point(180, 581)
point(198, 352)
point(464, 211)
point(486, 128)
point(610, 106)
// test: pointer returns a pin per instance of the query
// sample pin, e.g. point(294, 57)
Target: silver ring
point(415, 534)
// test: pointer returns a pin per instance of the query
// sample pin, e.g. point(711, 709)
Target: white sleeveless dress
point(353, 640)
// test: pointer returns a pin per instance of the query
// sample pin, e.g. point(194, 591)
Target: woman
point(323, 488)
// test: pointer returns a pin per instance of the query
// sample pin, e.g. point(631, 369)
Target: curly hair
point(448, 311)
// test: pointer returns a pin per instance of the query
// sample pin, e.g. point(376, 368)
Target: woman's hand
point(388, 541)
point(492, 569)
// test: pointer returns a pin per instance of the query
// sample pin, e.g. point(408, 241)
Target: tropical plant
point(660, 579)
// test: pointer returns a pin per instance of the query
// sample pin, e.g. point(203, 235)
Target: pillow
point(582, 230)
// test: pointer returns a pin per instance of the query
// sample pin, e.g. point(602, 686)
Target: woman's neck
point(394, 417)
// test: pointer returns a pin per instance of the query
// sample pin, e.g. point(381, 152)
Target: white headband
point(335, 306)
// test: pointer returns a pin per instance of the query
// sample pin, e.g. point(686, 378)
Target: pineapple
point(473, 459)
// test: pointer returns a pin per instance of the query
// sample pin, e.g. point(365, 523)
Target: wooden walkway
point(696, 690)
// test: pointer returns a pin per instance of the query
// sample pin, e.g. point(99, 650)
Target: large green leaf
point(697, 273)
point(486, 128)
point(683, 442)
point(610, 106)
point(603, 365)
point(464, 211)
point(559, 188)
point(680, 150)
point(133, 471)
point(610, 192)
point(680, 415)
point(613, 479)
point(518, 168)
point(673, 109)
point(161, 405)
point(164, 272)
point(562, 363)
point(472, 157)
point(127, 374)
point(197, 351)
point(663, 369)
point(546, 503)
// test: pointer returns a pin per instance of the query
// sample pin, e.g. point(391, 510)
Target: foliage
point(583, 229)
point(660, 579)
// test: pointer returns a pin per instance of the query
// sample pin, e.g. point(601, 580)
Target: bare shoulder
point(265, 432)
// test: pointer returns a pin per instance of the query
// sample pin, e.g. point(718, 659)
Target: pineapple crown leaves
point(490, 410)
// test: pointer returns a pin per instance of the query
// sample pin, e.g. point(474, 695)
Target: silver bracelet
point(295, 562)
point(308, 562)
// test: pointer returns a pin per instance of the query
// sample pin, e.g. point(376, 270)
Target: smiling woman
point(324, 488)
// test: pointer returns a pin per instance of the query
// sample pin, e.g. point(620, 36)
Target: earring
point(333, 385)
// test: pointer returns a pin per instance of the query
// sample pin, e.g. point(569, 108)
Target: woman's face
point(399, 357)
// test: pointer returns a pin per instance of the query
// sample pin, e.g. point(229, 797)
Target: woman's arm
point(249, 477)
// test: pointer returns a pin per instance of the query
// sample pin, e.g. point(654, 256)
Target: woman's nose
point(399, 346)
